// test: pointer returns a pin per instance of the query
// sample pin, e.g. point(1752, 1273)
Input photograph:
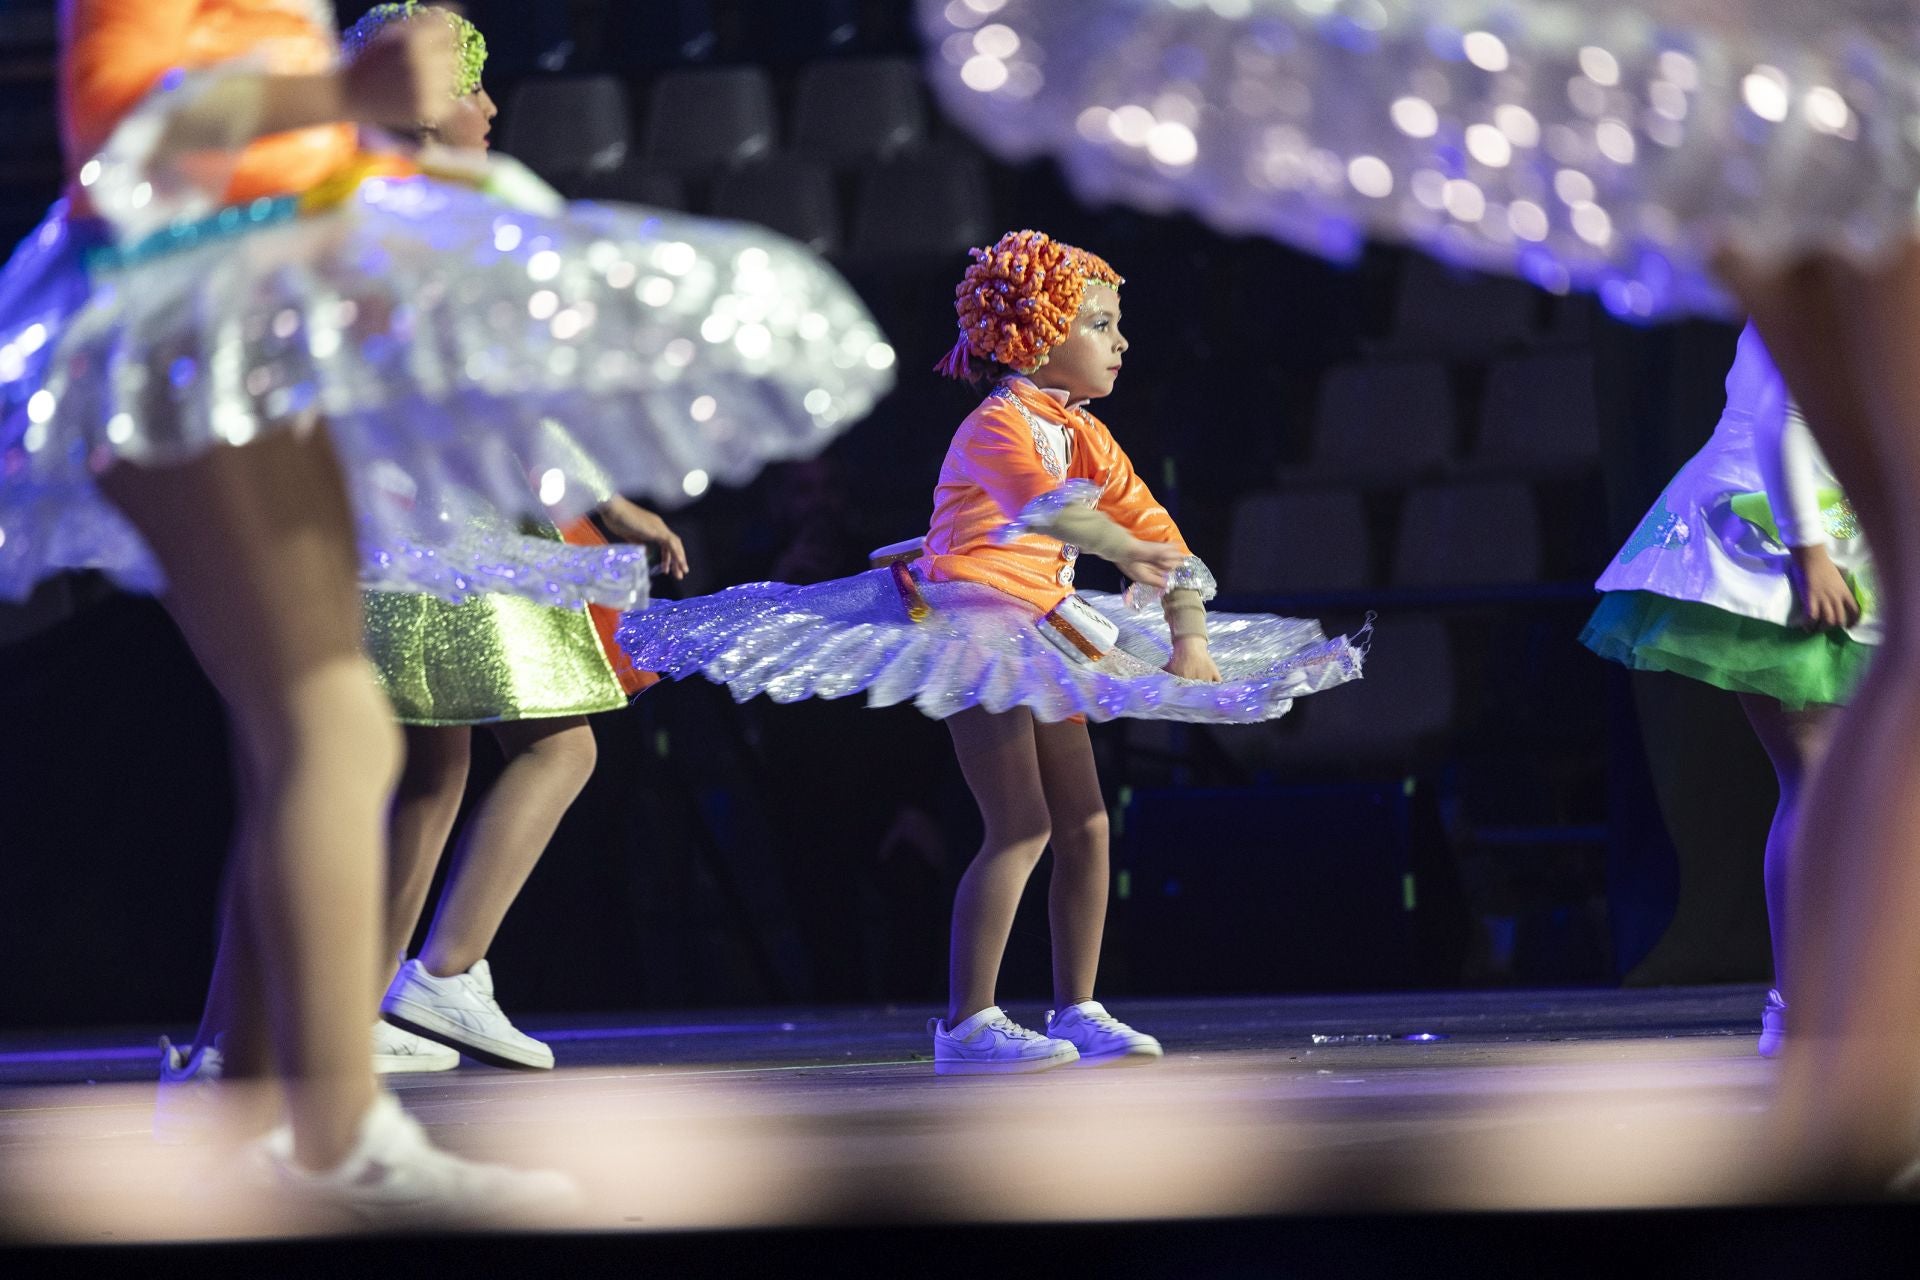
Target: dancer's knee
point(1020, 844)
point(334, 720)
point(571, 753)
point(1082, 838)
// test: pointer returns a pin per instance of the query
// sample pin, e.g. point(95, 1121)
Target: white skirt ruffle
point(442, 338)
point(979, 647)
point(1614, 146)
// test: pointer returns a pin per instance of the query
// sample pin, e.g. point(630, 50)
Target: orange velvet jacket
point(115, 51)
point(996, 466)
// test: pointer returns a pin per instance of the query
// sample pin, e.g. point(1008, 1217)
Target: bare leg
point(548, 762)
point(425, 806)
point(1850, 1102)
point(1795, 741)
point(1000, 761)
point(1077, 894)
point(258, 546)
point(235, 1012)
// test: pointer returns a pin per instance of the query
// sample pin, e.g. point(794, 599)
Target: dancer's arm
point(1186, 584)
point(630, 522)
point(118, 51)
point(999, 456)
point(1787, 458)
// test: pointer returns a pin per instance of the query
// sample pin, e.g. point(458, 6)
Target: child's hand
point(1192, 660)
point(632, 523)
point(1149, 563)
point(1824, 596)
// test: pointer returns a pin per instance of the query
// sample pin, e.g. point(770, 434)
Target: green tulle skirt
point(1651, 632)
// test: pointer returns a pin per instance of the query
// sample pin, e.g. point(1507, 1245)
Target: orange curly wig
point(1018, 300)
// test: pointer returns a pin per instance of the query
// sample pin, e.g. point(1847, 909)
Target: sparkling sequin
point(1615, 147)
point(978, 647)
point(1190, 574)
point(497, 657)
point(1841, 520)
point(124, 363)
point(1042, 436)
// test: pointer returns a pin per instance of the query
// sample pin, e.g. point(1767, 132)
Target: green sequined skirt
point(1650, 632)
point(491, 658)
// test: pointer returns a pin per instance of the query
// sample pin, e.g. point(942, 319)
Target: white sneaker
point(183, 1105)
point(460, 1011)
point(396, 1051)
point(1100, 1037)
point(1773, 1025)
point(991, 1043)
point(395, 1177)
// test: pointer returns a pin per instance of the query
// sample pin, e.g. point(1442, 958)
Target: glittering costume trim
point(1190, 574)
point(1040, 515)
point(1041, 444)
point(979, 647)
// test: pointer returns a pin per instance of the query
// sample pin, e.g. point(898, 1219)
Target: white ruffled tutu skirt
point(1611, 145)
point(467, 360)
point(978, 647)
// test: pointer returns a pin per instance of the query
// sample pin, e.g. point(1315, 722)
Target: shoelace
point(1107, 1023)
point(481, 994)
point(1012, 1030)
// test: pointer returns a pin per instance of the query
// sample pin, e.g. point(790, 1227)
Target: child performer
point(1750, 573)
point(531, 672)
point(987, 632)
point(241, 341)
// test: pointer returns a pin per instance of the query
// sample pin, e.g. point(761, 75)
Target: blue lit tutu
point(1607, 146)
point(977, 647)
point(443, 337)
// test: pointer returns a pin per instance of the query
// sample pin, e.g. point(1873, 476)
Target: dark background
point(1459, 454)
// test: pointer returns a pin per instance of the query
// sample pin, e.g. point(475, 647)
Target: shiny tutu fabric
point(442, 338)
point(1608, 146)
point(977, 647)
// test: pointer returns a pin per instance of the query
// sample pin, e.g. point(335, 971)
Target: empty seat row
point(699, 122)
point(1385, 421)
point(1474, 534)
point(926, 202)
point(628, 35)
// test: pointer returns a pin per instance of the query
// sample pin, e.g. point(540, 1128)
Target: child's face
point(1087, 363)
point(471, 122)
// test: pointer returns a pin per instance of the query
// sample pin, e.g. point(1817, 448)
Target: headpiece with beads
point(1018, 300)
point(471, 45)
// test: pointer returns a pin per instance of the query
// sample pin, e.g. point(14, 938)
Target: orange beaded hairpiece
point(1018, 300)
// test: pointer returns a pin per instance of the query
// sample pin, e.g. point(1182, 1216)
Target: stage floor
point(1509, 1100)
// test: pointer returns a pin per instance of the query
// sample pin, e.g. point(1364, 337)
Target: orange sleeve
point(115, 53)
point(998, 454)
point(1125, 498)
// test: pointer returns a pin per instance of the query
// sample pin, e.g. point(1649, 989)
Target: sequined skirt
point(1617, 145)
point(496, 657)
point(978, 647)
point(443, 338)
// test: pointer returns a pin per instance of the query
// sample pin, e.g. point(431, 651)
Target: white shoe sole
point(1001, 1067)
point(437, 1027)
point(402, 1064)
point(1124, 1058)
